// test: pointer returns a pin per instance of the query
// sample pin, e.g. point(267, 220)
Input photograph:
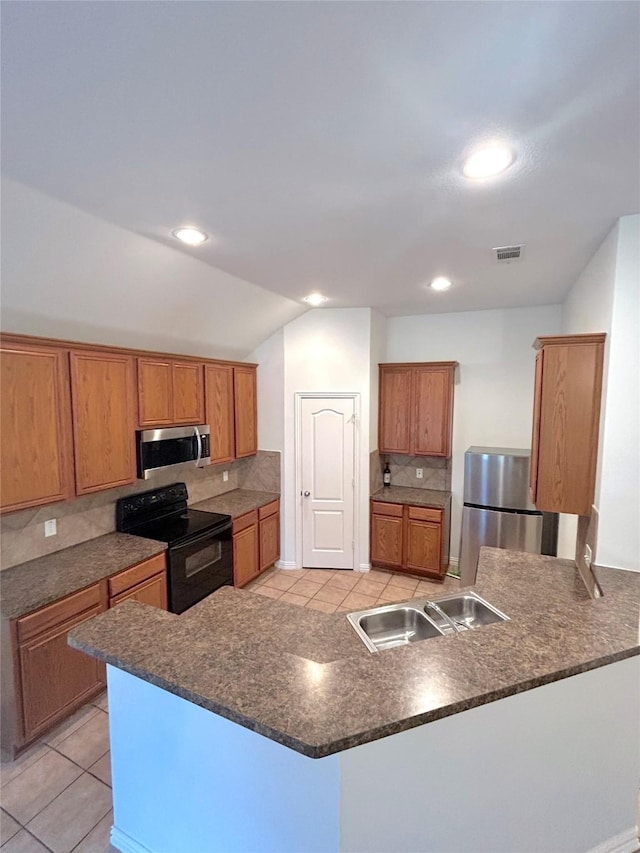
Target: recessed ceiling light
point(189, 235)
point(315, 299)
point(440, 283)
point(488, 161)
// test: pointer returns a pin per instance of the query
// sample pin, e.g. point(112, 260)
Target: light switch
point(50, 527)
point(225, 476)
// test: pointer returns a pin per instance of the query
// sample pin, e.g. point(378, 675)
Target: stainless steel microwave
point(175, 448)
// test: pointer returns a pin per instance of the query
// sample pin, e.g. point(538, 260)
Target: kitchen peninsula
point(217, 714)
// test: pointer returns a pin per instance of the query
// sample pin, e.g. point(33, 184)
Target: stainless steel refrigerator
point(497, 510)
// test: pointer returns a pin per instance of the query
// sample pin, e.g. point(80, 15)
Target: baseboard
point(125, 843)
point(624, 842)
point(286, 564)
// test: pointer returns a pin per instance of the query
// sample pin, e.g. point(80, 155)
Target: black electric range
point(200, 549)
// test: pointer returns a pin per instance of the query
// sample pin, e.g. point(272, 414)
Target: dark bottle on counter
point(386, 474)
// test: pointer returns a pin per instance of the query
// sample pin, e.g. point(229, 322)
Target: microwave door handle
point(196, 433)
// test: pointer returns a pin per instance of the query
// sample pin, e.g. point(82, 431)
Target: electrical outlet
point(419, 473)
point(50, 527)
point(225, 476)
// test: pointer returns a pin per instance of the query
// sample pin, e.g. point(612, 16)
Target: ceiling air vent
point(508, 254)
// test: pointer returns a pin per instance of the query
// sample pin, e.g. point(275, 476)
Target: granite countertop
point(236, 502)
point(38, 582)
point(416, 497)
point(303, 678)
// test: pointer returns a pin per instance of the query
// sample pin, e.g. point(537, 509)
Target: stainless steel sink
point(400, 624)
point(466, 611)
point(393, 625)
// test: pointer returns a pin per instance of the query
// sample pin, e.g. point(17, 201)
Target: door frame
point(327, 395)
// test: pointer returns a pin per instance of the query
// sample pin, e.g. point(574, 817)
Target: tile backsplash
point(89, 516)
point(436, 472)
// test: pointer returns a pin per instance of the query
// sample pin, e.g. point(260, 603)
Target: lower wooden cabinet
point(44, 680)
point(146, 582)
point(256, 542)
point(410, 538)
point(54, 678)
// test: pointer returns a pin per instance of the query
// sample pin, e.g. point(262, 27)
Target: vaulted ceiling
point(320, 143)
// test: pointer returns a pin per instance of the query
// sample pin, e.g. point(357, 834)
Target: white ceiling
point(320, 143)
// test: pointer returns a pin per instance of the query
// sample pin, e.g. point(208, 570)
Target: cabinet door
point(55, 678)
point(36, 427)
point(103, 420)
point(152, 591)
point(269, 540)
point(220, 415)
point(432, 394)
point(155, 392)
point(535, 433)
point(394, 409)
point(386, 540)
point(424, 546)
point(188, 394)
point(569, 423)
point(245, 555)
point(245, 391)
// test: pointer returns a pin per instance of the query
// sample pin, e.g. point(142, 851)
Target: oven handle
point(196, 432)
point(209, 534)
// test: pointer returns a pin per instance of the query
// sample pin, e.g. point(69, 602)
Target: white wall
point(68, 274)
point(493, 396)
point(605, 298)
point(327, 349)
point(378, 354)
point(270, 358)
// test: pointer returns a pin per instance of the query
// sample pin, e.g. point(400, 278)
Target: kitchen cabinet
point(387, 535)
point(102, 394)
point(169, 392)
point(416, 408)
point(410, 538)
point(54, 678)
point(269, 534)
point(218, 382)
point(245, 406)
point(35, 438)
point(246, 548)
point(256, 542)
point(44, 680)
point(566, 422)
point(145, 582)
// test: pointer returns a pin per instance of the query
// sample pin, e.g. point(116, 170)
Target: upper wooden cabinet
point(35, 442)
point(416, 408)
point(566, 422)
point(169, 392)
point(102, 394)
point(218, 384)
point(246, 417)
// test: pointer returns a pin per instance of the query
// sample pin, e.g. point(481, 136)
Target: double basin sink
point(399, 624)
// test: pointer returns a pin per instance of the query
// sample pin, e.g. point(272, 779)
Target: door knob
point(306, 494)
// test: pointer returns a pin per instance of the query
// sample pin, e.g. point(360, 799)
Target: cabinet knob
point(306, 494)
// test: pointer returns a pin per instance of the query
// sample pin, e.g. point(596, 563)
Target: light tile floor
point(56, 797)
point(339, 591)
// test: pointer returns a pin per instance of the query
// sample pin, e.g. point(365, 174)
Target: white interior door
point(327, 481)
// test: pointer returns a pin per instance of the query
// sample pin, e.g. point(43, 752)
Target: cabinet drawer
point(268, 510)
point(54, 614)
point(136, 574)
point(245, 521)
point(387, 509)
point(423, 513)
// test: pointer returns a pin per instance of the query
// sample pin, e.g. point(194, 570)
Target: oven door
point(198, 567)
